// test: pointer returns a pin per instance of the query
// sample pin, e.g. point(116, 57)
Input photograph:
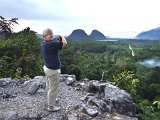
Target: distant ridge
point(153, 34)
point(80, 34)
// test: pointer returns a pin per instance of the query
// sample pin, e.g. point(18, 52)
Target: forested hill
point(153, 34)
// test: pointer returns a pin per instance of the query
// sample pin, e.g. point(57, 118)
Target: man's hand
point(64, 41)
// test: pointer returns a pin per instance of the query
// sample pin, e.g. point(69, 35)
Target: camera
point(59, 38)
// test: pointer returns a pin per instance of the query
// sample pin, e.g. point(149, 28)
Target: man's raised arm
point(64, 41)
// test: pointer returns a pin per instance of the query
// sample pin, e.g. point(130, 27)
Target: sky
point(114, 18)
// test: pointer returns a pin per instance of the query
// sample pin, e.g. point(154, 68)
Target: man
point(52, 65)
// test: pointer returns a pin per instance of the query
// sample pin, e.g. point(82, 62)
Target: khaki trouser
point(52, 82)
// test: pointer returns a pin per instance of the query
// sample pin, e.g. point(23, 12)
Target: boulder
point(95, 86)
point(63, 77)
point(120, 100)
point(90, 112)
point(102, 106)
point(70, 79)
point(33, 88)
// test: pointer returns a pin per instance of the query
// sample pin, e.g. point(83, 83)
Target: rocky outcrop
point(120, 101)
point(79, 100)
point(109, 98)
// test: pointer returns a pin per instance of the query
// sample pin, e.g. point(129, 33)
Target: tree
point(126, 81)
point(21, 55)
point(74, 69)
point(6, 26)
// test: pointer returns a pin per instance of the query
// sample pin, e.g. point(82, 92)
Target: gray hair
point(47, 31)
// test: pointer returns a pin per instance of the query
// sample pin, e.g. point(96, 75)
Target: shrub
point(126, 81)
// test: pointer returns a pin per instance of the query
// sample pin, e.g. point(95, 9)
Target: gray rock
point(4, 95)
point(11, 115)
point(81, 85)
point(43, 114)
point(41, 81)
point(3, 83)
point(38, 77)
point(90, 112)
point(96, 86)
point(108, 108)
point(93, 86)
point(33, 115)
point(120, 100)
point(25, 83)
point(31, 107)
point(94, 101)
point(76, 107)
point(6, 79)
point(70, 80)
point(33, 88)
point(63, 77)
point(8, 95)
point(42, 84)
point(102, 87)
point(98, 102)
point(72, 117)
point(83, 98)
point(87, 97)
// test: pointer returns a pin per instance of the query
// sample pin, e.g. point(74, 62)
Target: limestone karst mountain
point(153, 34)
point(80, 34)
point(97, 35)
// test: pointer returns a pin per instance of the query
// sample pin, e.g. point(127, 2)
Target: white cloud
point(111, 17)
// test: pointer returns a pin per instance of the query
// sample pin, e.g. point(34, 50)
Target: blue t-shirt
point(50, 53)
